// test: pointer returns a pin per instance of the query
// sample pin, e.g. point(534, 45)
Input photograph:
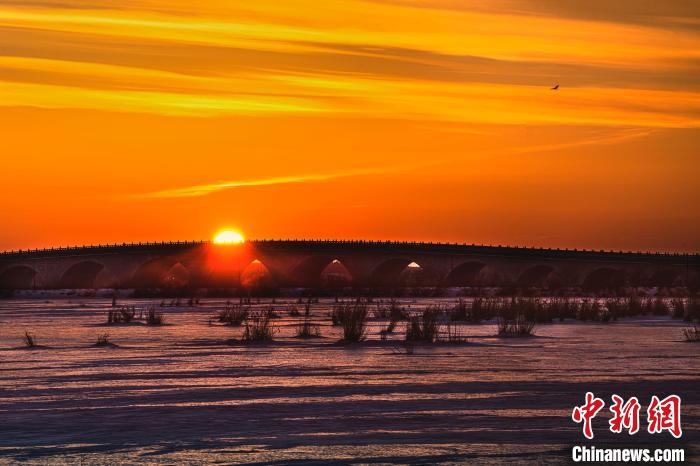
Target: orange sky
point(375, 119)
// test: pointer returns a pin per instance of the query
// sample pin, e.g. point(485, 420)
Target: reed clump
point(481, 309)
point(686, 309)
point(562, 308)
point(424, 327)
point(657, 307)
point(692, 333)
point(352, 317)
point(393, 311)
point(517, 326)
point(234, 314)
point(29, 339)
point(103, 340)
point(308, 329)
point(517, 317)
point(154, 317)
point(258, 326)
point(122, 315)
point(453, 334)
point(459, 311)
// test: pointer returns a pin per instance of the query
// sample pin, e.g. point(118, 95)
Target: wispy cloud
point(211, 188)
point(615, 138)
point(469, 62)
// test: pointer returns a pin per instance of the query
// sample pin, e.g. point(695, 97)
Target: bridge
point(319, 263)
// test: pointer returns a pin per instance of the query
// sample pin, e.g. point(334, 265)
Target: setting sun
point(229, 237)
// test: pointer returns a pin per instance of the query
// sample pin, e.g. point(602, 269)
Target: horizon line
point(346, 241)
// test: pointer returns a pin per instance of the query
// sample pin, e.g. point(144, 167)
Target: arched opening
point(18, 277)
point(336, 275)
point(152, 273)
point(316, 271)
point(665, 278)
point(466, 274)
point(176, 276)
point(256, 276)
point(537, 276)
point(397, 272)
point(81, 275)
point(604, 278)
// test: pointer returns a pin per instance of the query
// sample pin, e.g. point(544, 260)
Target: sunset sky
point(376, 119)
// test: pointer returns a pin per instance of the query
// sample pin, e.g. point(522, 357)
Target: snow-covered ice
point(183, 392)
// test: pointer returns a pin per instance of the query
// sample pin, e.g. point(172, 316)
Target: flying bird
point(555, 87)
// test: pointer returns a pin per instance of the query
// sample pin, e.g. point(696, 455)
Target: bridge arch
point(81, 275)
point(319, 271)
point(604, 278)
point(539, 276)
point(397, 272)
point(256, 275)
point(160, 272)
point(176, 276)
point(665, 278)
point(465, 274)
point(18, 277)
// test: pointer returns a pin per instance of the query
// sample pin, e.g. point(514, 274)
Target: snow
point(182, 392)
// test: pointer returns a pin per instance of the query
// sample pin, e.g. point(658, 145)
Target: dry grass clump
point(29, 339)
point(393, 311)
point(154, 317)
point(518, 317)
point(391, 326)
point(335, 315)
point(677, 308)
point(103, 340)
point(562, 308)
point(308, 329)
point(234, 314)
point(122, 315)
point(353, 318)
point(258, 326)
point(692, 333)
point(535, 310)
point(657, 307)
point(453, 334)
point(459, 311)
point(692, 309)
point(588, 310)
point(686, 309)
point(272, 312)
point(424, 327)
point(518, 326)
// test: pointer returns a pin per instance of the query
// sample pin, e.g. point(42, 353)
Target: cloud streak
point(212, 188)
point(441, 62)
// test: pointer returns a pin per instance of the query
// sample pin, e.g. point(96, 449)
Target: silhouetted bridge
point(338, 263)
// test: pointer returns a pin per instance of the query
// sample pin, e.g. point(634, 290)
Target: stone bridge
point(339, 263)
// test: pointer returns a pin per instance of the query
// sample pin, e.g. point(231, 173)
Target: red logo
point(665, 415)
point(662, 415)
point(624, 415)
point(587, 412)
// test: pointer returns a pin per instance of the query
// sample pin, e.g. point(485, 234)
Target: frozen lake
point(181, 393)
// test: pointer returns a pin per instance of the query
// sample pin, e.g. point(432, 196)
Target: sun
point(228, 237)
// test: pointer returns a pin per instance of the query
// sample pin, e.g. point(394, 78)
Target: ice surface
point(183, 393)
